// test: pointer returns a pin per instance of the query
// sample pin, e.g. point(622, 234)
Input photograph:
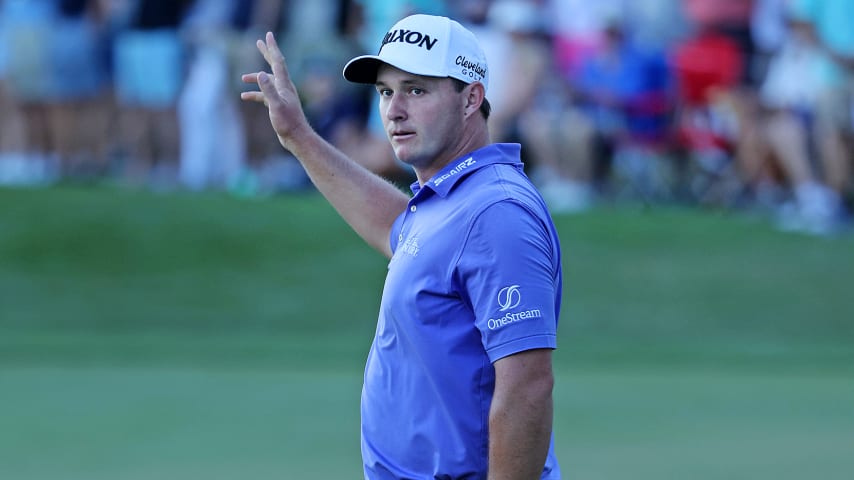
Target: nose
point(395, 108)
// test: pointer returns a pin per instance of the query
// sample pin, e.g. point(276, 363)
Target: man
point(458, 382)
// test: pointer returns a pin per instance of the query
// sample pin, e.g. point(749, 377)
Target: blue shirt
point(475, 276)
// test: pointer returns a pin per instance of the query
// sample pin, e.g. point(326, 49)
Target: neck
point(475, 135)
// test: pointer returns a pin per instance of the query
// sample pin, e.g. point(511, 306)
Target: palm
point(285, 109)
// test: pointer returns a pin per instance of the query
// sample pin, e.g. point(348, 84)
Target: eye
point(416, 91)
point(384, 92)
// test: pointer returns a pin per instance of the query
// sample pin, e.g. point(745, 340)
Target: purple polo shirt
point(475, 276)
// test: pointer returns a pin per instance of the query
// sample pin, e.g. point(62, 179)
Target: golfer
point(458, 382)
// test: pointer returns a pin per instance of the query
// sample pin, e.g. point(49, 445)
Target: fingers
point(262, 47)
point(270, 50)
point(268, 90)
point(276, 60)
point(249, 78)
point(253, 97)
point(269, 85)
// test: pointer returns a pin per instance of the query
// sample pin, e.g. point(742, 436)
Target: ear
point(474, 95)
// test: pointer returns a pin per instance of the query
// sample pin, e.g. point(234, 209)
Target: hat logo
point(470, 66)
point(411, 37)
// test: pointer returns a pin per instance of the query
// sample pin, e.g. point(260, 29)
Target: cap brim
point(363, 69)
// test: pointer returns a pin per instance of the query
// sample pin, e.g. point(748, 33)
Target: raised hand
point(278, 93)
point(367, 202)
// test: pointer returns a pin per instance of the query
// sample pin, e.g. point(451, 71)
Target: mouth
point(399, 135)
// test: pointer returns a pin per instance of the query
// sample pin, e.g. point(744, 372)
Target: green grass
point(202, 336)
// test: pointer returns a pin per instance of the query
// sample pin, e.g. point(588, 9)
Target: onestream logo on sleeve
point(510, 298)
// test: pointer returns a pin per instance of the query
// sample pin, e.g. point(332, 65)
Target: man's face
point(422, 116)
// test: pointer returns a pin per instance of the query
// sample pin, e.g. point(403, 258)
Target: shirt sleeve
point(509, 272)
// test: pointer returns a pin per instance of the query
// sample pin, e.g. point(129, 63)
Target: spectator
point(758, 175)
point(623, 88)
point(732, 171)
point(655, 24)
point(79, 113)
point(769, 29)
point(709, 75)
point(832, 30)
point(557, 136)
point(731, 18)
point(27, 39)
point(578, 26)
point(250, 19)
point(11, 123)
point(519, 52)
point(213, 145)
point(614, 104)
point(150, 67)
point(801, 94)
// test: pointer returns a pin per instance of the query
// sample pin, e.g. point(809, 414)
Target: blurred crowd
point(728, 103)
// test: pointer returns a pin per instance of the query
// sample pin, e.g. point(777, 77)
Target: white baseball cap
point(426, 45)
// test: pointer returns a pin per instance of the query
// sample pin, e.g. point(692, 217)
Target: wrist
point(298, 138)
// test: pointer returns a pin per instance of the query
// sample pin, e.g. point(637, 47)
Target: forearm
point(366, 201)
point(520, 425)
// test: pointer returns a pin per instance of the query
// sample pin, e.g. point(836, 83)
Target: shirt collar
point(456, 170)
